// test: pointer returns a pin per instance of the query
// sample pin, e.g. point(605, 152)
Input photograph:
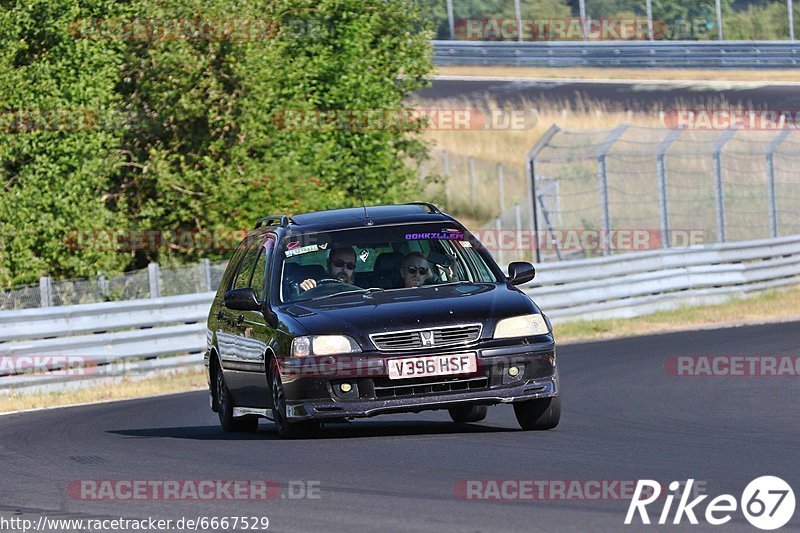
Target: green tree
point(55, 162)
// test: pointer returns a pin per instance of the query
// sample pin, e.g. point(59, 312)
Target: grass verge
point(182, 381)
point(588, 73)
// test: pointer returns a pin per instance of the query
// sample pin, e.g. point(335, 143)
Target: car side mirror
point(520, 272)
point(242, 300)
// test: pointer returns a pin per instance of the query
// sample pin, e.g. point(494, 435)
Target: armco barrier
point(141, 333)
point(634, 54)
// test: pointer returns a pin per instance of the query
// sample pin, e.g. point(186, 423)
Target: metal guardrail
point(645, 282)
point(145, 331)
point(634, 54)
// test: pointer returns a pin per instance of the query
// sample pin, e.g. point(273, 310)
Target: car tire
point(228, 422)
point(468, 413)
point(539, 414)
point(286, 429)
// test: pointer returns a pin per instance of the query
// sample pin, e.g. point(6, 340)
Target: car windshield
point(324, 265)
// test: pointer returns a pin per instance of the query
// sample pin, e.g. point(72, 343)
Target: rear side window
point(260, 271)
point(244, 271)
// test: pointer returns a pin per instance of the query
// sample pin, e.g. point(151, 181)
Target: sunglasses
point(413, 270)
point(338, 263)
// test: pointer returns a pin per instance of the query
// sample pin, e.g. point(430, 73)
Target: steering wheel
point(326, 281)
point(327, 286)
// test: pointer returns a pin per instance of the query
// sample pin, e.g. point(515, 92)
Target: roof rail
point(431, 208)
point(272, 220)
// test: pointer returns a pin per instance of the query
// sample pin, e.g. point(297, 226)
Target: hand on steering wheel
point(311, 283)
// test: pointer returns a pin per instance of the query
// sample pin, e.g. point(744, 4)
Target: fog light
point(345, 387)
point(513, 371)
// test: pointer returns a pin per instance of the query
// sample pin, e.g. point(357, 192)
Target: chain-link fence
point(150, 282)
point(631, 189)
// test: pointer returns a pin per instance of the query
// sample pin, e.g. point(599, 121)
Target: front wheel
point(468, 413)
point(539, 414)
point(286, 429)
point(225, 410)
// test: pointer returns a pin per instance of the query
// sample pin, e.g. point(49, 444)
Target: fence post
point(791, 19)
point(498, 227)
point(472, 192)
point(421, 172)
point(773, 200)
point(446, 172)
point(649, 7)
point(531, 175)
point(602, 176)
point(102, 282)
point(518, 13)
point(720, 193)
point(207, 274)
point(518, 227)
point(451, 20)
point(582, 15)
point(661, 169)
point(719, 21)
point(46, 291)
point(501, 188)
point(154, 275)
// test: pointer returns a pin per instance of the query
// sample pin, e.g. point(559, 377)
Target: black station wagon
point(357, 312)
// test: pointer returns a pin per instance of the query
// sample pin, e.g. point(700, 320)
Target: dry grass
point(182, 381)
point(586, 73)
point(771, 306)
point(509, 146)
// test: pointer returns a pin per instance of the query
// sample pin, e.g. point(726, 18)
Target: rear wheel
point(539, 414)
point(468, 413)
point(225, 410)
point(286, 429)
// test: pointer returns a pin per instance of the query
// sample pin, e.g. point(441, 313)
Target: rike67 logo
point(767, 503)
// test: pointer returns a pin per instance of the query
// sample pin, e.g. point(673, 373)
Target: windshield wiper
point(359, 291)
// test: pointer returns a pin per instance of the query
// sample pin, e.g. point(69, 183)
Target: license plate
point(434, 365)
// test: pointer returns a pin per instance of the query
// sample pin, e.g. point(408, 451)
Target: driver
point(341, 266)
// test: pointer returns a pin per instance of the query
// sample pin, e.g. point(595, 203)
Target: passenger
point(414, 270)
point(341, 266)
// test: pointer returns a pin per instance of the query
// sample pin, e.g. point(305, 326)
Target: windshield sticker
point(363, 255)
point(292, 245)
point(303, 250)
point(445, 235)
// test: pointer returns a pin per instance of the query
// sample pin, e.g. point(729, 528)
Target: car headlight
point(521, 326)
point(323, 345)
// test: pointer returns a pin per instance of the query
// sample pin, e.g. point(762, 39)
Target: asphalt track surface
point(633, 96)
point(624, 418)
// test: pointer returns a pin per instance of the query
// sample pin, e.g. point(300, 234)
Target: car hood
point(358, 315)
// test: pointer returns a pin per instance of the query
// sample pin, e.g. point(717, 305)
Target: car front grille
point(427, 338)
point(386, 388)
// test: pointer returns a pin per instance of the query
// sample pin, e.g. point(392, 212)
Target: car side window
point(260, 270)
point(245, 270)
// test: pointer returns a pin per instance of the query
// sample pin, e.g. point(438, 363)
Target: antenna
point(363, 204)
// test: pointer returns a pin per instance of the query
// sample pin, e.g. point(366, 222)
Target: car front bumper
point(373, 393)
point(330, 409)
